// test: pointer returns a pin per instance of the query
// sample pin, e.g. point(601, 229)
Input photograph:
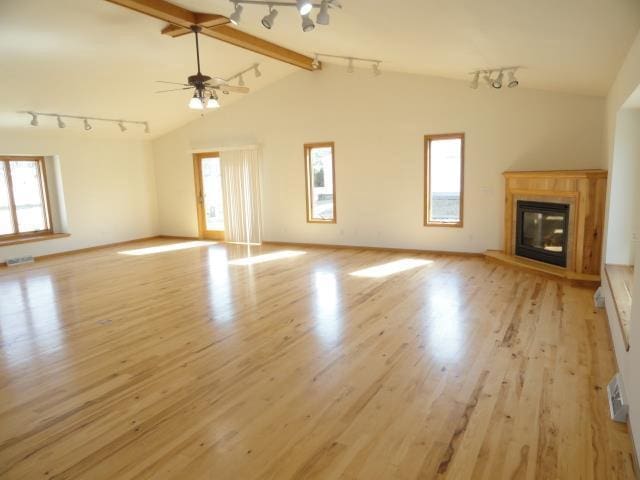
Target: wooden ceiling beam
point(214, 26)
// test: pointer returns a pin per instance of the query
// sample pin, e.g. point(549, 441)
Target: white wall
point(108, 188)
point(378, 125)
point(626, 82)
point(624, 194)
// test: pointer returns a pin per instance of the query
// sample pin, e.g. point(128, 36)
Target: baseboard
point(364, 247)
point(175, 237)
point(89, 249)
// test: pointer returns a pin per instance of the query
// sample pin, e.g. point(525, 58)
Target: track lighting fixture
point(375, 63)
point(498, 81)
point(85, 120)
point(269, 18)
point(241, 80)
point(146, 127)
point(237, 13)
point(323, 14)
point(307, 23)
point(474, 82)
point(303, 8)
point(256, 71)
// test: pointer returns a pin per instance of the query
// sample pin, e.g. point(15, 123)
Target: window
point(444, 179)
point(24, 207)
point(321, 196)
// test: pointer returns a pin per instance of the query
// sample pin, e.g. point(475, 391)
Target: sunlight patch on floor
point(172, 247)
point(390, 268)
point(267, 257)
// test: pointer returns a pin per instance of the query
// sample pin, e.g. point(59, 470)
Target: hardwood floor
point(178, 364)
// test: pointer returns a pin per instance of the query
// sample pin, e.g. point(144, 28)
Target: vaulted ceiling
point(95, 58)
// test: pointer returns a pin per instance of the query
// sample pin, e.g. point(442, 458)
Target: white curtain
point(241, 196)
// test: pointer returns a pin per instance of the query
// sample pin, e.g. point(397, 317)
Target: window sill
point(620, 279)
point(33, 238)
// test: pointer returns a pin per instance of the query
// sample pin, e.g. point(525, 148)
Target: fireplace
point(542, 231)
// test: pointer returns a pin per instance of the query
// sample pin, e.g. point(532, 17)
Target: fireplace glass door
point(542, 231)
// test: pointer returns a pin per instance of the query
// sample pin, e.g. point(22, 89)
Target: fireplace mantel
point(584, 191)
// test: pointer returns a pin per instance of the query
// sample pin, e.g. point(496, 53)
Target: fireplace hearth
point(542, 231)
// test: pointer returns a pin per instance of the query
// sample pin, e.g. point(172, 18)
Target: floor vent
point(618, 405)
point(19, 260)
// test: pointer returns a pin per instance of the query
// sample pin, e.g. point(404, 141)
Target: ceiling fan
point(204, 87)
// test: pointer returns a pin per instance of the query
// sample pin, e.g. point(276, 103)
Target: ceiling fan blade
point(174, 83)
point(230, 88)
point(174, 90)
point(217, 81)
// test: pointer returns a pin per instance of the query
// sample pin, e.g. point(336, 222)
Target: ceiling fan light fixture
point(213, 101)
point(323, 15)
point(269, 19)
point(304, 7)
point(512, 81)
point(497, 83)
point(307, 24)
point(196, 102)
point(237, 13)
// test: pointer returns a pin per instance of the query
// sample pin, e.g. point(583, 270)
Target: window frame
point(307, 158)
point(44, 194)
point(427, 181)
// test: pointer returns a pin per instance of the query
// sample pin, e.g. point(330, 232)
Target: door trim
point(197, 176)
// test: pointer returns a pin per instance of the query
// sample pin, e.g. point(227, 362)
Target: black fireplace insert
point(542, 231)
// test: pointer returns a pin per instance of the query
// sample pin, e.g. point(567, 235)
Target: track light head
point(87, 125)
point(122, 126)
point(512, 81)
point(376, 69)
point(474, 82)
point(323, 14)
point(350, 66)
point(34, 120)
point(61, 124)
point(497, 83)
point(316, 62)
point(241, 81)
point(256, 71)
point(237, 13)
point(304, 7)
point(269, 19)
point(487, 78)
point(307, 24)
point(146, 127)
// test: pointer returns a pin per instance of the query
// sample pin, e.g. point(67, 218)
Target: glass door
point(209, 195)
